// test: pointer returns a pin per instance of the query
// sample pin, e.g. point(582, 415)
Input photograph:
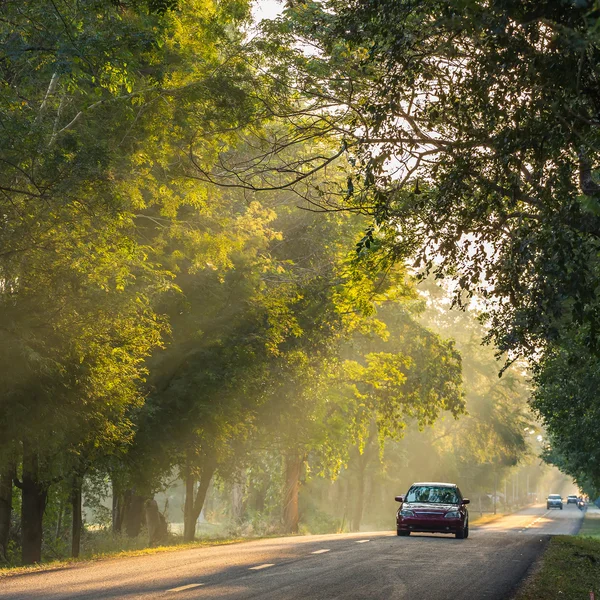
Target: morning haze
point(299, 299)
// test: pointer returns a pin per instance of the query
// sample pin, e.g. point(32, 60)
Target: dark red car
point(433, 508)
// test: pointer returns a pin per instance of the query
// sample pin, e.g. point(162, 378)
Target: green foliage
point(499, 418)
point(158, 325)
point(471, 130)
point(566, 399)
point(470, 138)
point(566, 569)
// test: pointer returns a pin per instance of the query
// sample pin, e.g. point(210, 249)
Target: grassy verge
point(569, 571)
point(570, 567)
point(591, 523)
point(60, 564)
point(486, 518)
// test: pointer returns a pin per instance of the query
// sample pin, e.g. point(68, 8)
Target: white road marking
point(185, 587)
point(320, 551)
point(534, 522)
point(362, 541)
point(258, 567)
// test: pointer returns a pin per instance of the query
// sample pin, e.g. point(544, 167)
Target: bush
point(316, 521)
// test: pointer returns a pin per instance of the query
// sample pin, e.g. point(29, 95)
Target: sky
point(267, 9)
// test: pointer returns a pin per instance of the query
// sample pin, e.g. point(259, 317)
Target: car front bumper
point(419, 525)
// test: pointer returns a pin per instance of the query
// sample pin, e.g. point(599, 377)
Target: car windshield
point(432, 494)
point(554, 496)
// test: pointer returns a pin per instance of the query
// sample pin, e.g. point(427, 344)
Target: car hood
point(428, 507)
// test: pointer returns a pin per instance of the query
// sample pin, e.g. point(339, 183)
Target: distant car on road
point(572, 499)
point(434, 508)
point(554, 501)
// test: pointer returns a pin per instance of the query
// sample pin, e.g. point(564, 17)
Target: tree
point(471, 129)
point(406, 379)
point(478, 449)
point(283, 289)
point(499, 414)
point(79, 285)
point(566, 400)
point(326, 403)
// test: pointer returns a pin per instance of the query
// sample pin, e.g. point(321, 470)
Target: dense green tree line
point(472, 128)
point(153, 323)
point(353, 484)
point(90, 93)
point(205, 238)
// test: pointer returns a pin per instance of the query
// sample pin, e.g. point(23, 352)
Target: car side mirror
point(466, 501)
point(399, 498)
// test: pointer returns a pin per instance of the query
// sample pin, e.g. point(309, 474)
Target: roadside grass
point(486, 518)
point(100, 543)
point(569, 570)
point(591, 523)
point(60, 564)
point(570, 566)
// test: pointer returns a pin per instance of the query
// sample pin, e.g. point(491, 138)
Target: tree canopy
point(471, 132)
point(211, 236)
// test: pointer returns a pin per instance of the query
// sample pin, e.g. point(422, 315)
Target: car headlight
point(407, 513)
point(453, 514)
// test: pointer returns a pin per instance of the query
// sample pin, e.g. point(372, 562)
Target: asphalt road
point(488, 565)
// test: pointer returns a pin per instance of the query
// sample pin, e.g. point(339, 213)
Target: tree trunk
point(118, 508)
point(189, 524)
point(209, 502)
point(237, 498)
point(207, 474)
point(260, 496)
point(33, 505)
point(134, 514)
point(77, 518)
point(362, 462)
point(59, 518)
point(193, 505)
point(6, 485)
point(359, 492)
point(156, 524)
point(293, 469)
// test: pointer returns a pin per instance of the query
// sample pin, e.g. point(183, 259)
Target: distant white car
point(572, 499)
point(554, 501)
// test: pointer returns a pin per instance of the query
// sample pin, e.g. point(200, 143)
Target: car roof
point(554, 495)
point(435, 483)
